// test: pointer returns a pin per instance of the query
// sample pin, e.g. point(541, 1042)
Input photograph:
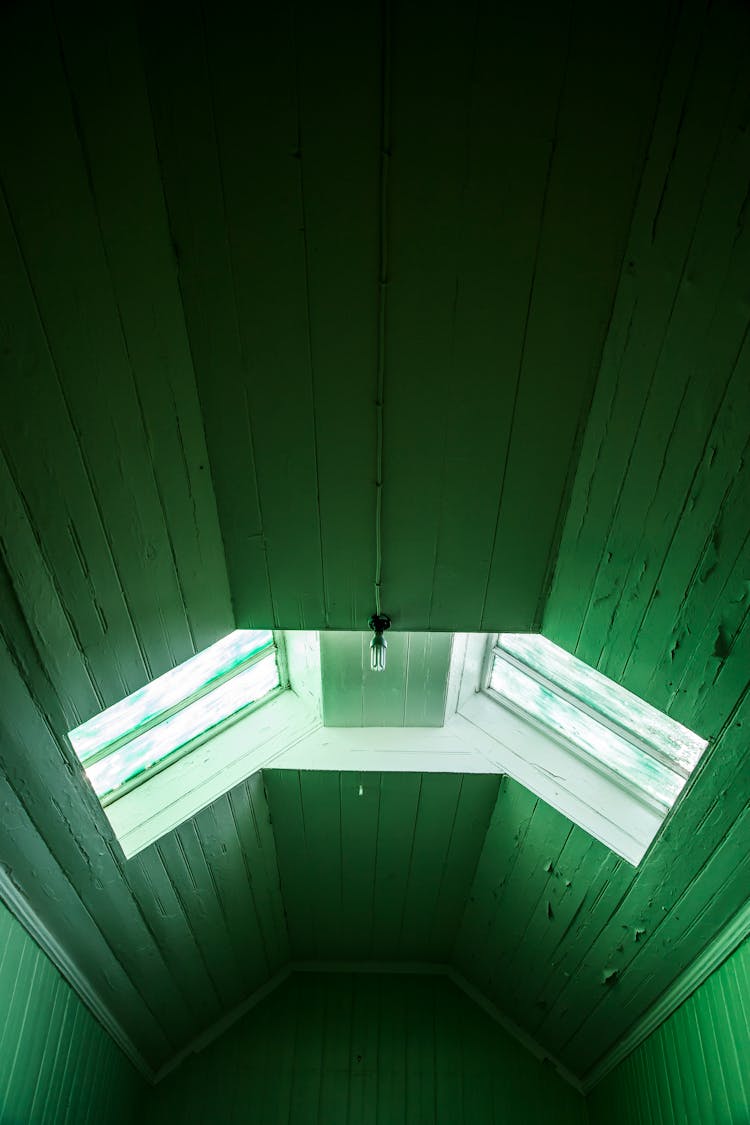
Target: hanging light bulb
point(378, 645)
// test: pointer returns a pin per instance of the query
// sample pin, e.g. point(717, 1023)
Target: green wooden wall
point(695, 1067)
point(340, 1049)
point(57, 1065)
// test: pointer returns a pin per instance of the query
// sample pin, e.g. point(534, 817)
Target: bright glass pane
point(169, 690)
point(579, 728)
point(181, 728)
point(673, 740)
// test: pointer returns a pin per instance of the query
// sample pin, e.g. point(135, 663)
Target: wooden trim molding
point(396, 968)
point(714, 955)
point(48, 943)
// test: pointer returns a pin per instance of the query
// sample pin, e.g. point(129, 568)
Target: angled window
point(596, 718)
point(131, 741)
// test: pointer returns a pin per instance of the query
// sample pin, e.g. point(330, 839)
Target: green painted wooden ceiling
point(222, 230)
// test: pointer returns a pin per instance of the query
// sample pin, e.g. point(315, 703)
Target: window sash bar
point(593, 713)
point(205, 689)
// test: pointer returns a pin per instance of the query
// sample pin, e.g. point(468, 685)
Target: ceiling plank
point(399, 802)
point(252, 819)
point(411, 693)
point(54, 496)
point(495, 227)
point(429, 93)
point(638, 392)
point(90, 378)
point(194, 883)
point(592, 186)
point(428, 856)
point(81, 852)
point(285, 806)
point(360, 814)
point(511, 817)
point(161, 905)
point(718, 890)
point(338, 64)
point(104, 70)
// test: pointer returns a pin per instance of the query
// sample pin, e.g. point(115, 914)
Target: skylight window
point(170, 716)
point(595, 716)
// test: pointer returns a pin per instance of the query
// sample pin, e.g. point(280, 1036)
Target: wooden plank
point(222, 848)
point(58, 907)
point(385, 695)
point(580, 868)
point(503, 843)
point(411, 693)
point(342, 672)
point(477, 799)
point(322, 861)
point(425, 862)
point(258, 273)
point(697, 353)
point(594, 176)
point(170, 925)
point(104, 415)
point(719, 890)
point(698, 584)
point(360, 813)
point(338, 159)
point(429, 93)
point(195, 886)
point(69, 820)
point(56, 495)
point(175, 69)
point(427, 679)
point(284, 803)
point(399, 805)
point(495, 225)
point(27, 573)
point(689, 839)
point(252, 819)
point(101, 57)
point(668, 207)
point(588, 922)
point(526, 899)
point(520, 894)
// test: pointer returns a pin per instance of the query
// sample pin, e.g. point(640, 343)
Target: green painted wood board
point(411, 691)
point(694, 1068)
point(57, 1064)
point(376, 865)
point(366, 1049)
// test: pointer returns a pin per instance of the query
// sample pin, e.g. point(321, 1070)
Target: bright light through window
point(640, 744)
point(174, 712)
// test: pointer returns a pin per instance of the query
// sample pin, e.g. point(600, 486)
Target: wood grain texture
point(366, 1049)
point(695, 1067)
point(376, 865)
point(218, 226)
point(411, 692)
point(57, 1065)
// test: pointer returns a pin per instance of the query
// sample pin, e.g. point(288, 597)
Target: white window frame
point(613, 810)
point(225, 755)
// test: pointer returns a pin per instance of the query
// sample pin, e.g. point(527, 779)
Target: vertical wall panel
point(56, 1063)
point(340, 1049)
point(696, 1067)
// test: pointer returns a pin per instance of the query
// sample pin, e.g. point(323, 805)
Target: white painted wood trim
point(386, 749)
point(177, 793)
point(722, 947)
point(20, 908)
